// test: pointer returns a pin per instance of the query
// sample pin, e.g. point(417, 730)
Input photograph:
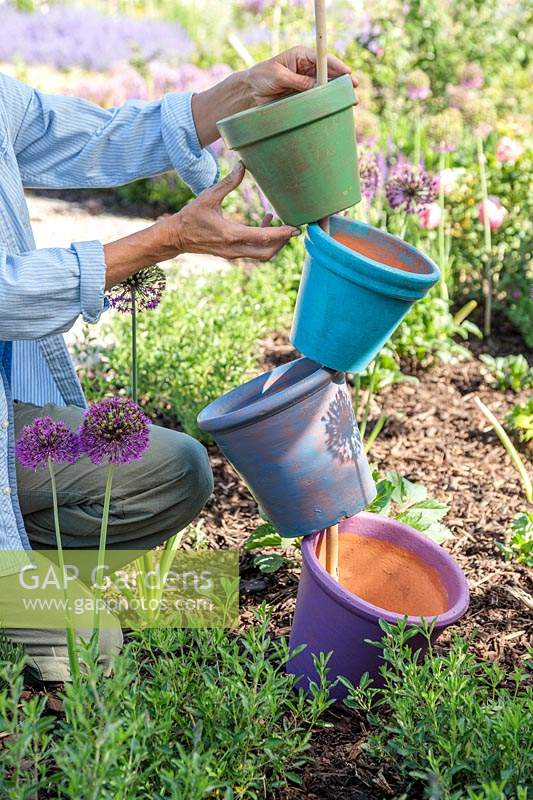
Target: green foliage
point(195, 714)
point(165, 191)
point(409, 503)
point(520, 420)
point(509, 372)
point(200, 342)
point(26, 743)
point(428, 333)
point(520, 544)
point(451, 722)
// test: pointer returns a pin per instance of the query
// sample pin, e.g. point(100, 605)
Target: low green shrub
point(453, 723)
point(520, 540)
point(520, 420)
point(508, 372)
point(186, 714)
point(166, 191)
point(429, 333)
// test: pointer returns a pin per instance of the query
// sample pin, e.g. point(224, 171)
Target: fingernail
point(296, 232)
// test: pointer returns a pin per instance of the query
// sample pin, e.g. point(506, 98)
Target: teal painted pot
point(357, 285)
point(301, 150)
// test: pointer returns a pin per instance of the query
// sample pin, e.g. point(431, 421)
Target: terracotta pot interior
point(390, 254)
point(387, 576)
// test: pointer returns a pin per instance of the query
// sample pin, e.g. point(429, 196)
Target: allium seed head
point(45, 439)
point(479, 115)
point(418, 85)
point(472, 76)
point(148, 286)
point(445, 130)
point(115, 431)
point(369, 174)
point(366, 126)
point(410, 188)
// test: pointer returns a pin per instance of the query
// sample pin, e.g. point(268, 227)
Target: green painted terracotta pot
point(301, 150)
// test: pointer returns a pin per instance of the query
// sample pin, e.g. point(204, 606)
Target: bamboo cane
point(332, 533)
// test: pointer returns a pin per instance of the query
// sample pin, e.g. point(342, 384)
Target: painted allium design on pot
point(342, 435)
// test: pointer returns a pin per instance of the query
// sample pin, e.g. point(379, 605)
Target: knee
point(188, 475)
point(195, 471)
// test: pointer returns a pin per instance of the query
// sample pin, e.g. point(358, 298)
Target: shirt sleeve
point(43, 292)
point(66, 142)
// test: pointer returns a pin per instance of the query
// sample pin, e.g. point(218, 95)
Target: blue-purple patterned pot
point(292, 435)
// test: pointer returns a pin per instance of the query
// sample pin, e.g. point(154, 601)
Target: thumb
point(227, 184)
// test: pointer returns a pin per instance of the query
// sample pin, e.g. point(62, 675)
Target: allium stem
point(374, 433)
point(488, 238)
point(101, 551)
point(134, 364)
point(357, 391)
point(418, 135)
point(443, 258)
point(71, 636)
point(512, 452)
point(371, 386)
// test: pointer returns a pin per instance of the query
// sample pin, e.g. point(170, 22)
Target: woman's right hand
point(200, 227)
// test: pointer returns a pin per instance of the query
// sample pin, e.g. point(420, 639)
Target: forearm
point(126, 256)
point(227, 97)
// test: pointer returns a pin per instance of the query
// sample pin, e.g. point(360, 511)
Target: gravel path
point(58, 223)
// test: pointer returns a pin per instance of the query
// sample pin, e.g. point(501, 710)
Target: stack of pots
point(291, 433)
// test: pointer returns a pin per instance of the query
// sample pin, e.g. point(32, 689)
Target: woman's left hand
point(291, 71)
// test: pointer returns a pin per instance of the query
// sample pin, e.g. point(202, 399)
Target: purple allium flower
point(369, 174)
point(410, 188)
point(472, 76)
point(418, 85)
point(47, 439)
point(148, 285)
point(114, 430)
point(445, 130)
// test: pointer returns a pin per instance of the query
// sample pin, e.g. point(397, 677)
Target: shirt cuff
point(196, 165)
point(92, 278)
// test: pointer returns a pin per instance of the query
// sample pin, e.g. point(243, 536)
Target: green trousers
point(152, 499)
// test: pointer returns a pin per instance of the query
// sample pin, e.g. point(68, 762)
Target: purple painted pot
point(292, 435)
point(330, 618)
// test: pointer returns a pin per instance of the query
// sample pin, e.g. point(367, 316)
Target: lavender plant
point(43, 444)
point(74, 37)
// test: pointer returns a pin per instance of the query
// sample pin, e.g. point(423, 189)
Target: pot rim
point(270, 119)
point(360, 269)
point(356, 604)
point(215, 419)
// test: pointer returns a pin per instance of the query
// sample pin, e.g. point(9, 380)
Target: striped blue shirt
point(58, 142)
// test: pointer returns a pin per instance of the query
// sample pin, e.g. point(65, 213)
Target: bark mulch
point(434, 435)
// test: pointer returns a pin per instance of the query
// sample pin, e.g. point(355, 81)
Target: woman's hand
point(200, 227)
point(291, 71)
